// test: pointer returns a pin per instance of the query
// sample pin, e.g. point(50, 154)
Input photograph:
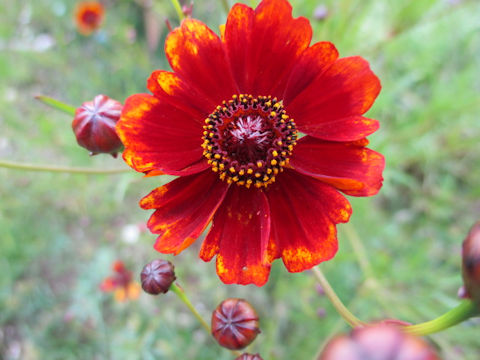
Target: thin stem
point(367, 269)
point(359, 250)
point(465, 310)
point(59, 169)
point(68, 109)
point(225, 6)
point(178, 9)
point(181, 294)
point(351, 319)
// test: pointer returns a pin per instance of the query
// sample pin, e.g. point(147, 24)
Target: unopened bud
point(94, 125)
point(235, 324)
point(379, 342)
point(471, 263)
point(246, 356)
point(157, 276)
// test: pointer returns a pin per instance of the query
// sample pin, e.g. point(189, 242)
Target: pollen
point(248, 140)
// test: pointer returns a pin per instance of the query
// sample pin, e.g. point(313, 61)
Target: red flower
point(89, 16)
point(121, 283)
point(223, 122)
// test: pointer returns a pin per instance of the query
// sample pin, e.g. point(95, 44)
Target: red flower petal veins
point(314, 61)
point(351, 168)
point(158, 136)
point(183, 209)
point(264, 44)
point(304, 213)
point(196, 55)
point(169, 87)
point(239, 237)
point(330, 108)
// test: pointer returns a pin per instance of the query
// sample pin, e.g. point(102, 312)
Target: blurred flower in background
point(89, 16)
point(121, 283)
point(379, 342)
point(471, 264)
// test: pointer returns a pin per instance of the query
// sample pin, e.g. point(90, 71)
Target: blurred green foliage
point(60, 233)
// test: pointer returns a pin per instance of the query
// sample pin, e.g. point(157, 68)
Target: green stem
point(351, 319)
point(68, 109)
point(181, 294)
point(359, 250)
point(465, 310)
point(225, 5)
point(367, 269)
point(178, 9)
point(59, 169)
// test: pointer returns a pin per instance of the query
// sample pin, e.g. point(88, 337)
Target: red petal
point(349, 167)
point(330, 107)
point(239, 236)
point(313, 62)
point(184, 207)
point(196, 54)
point(263, 45)
point(158, 136)
point(304, 213)
point(171, 88)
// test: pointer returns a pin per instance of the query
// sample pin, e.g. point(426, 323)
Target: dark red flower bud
point(246, 356)
point(471, 263)
point(157, 276)
point(94, 125)
point(235, 324)
point(379, 342)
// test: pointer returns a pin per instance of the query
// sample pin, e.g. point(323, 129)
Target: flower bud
point(379, 342)
point(89, 16)
point(471, 263)
point(235, 324)
point(157, 276)
point(94, 125)
point(246, 356)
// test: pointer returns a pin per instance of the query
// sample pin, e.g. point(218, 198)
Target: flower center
point(248, 140)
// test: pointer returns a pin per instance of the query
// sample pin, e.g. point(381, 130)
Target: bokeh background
point(60, 233)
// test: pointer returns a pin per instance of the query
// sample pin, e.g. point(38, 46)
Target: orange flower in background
point(228, 122)
point(121, 283)
point(89, 16)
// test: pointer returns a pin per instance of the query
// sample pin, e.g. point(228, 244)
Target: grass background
point(60, 233)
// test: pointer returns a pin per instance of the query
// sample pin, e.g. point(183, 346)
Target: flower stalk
point(178, 9)
point(181, 294)
point(351, 319)
point(60, 169)
point(465, 310)
point(225, 5)
point(67, 109)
